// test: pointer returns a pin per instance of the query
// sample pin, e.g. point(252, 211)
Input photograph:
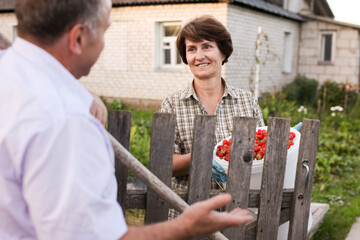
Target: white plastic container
point(256, 174)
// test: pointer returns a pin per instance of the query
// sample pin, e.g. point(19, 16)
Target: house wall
point(344, 68)
point(243, 25)
point(7, 23)
point(126, 65)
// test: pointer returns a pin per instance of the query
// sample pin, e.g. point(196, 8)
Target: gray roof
point(7, 5)
point(152, 2)
point(269, 8)
point(259, 5)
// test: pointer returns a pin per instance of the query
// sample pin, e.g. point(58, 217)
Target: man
point(56, 163)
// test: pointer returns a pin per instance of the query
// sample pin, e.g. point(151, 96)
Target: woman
point(205, 45)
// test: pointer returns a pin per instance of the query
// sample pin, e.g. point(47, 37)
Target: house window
point(167, 55)
point(287, 52)
point(327, 46)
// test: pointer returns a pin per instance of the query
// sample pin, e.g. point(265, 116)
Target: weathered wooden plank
point(119, 125)
point(251, 227)
point(160, 163)
point(136, 199)
point(201, 159)
point(304, 180)
point(273, 178)
point(240, 162)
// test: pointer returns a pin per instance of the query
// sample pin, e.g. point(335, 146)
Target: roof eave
point(295, 17)
point(154, 2)
point(330, 20)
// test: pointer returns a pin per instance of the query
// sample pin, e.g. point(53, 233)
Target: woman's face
point(204, 59)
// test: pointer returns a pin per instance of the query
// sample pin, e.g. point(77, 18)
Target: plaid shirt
point(186, 104)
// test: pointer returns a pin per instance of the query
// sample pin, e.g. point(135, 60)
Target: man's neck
point(57, 49)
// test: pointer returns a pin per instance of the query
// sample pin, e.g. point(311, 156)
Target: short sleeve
point(68, 181)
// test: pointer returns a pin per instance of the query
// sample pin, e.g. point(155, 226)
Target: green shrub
point(140, 135)
point(337, 94)
point(276, 105)
point(303, 90)
point(113, 105)
point(355, 110)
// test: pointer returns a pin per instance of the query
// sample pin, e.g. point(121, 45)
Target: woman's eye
point(207, 46)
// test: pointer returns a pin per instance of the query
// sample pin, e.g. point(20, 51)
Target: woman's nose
point(200, 54)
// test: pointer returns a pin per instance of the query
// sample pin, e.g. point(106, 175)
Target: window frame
point(322, 50)
point(287, 52)
point(160, 39)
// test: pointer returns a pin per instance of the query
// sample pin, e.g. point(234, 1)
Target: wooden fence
point(275, 204)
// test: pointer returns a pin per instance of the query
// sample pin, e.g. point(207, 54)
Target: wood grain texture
point(240, 162)
point(201, 157)
point(273, 178)
point(119, 125)
point(160, 164)
point(303, 186)
point(136, 199)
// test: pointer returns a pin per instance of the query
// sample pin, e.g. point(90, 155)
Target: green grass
point(344, 208)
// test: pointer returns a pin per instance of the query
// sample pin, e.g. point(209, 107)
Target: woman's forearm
point(181, 164)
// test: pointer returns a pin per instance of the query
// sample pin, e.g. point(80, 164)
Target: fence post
point(240, 162)
point(304, 180)
point(160, 164)
point(119, 125)
point(201, 158)
point(273, 178)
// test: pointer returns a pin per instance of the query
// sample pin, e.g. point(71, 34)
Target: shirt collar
point(40, 57)
point(190, 91)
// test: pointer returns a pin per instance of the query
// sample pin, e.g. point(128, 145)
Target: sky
point(346, 10)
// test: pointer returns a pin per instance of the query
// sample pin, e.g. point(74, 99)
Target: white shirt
point(56, 163)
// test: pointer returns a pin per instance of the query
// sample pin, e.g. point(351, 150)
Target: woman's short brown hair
point(205, 28)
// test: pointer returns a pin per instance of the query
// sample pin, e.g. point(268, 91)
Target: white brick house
point(139, 63)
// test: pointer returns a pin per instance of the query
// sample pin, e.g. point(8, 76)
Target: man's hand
point(200, 218)
point(98, 109)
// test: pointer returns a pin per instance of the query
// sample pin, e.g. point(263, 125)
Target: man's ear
point(77, 38)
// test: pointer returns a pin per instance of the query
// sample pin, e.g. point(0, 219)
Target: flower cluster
point(348, 87)
point(302, 109)
point(334, 109)
point(223, 150)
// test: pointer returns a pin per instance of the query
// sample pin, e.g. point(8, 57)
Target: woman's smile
point(204, 59)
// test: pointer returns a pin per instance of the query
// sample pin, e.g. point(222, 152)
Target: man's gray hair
point(47, 20)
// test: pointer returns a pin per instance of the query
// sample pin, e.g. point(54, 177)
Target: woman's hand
point(98, 109)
